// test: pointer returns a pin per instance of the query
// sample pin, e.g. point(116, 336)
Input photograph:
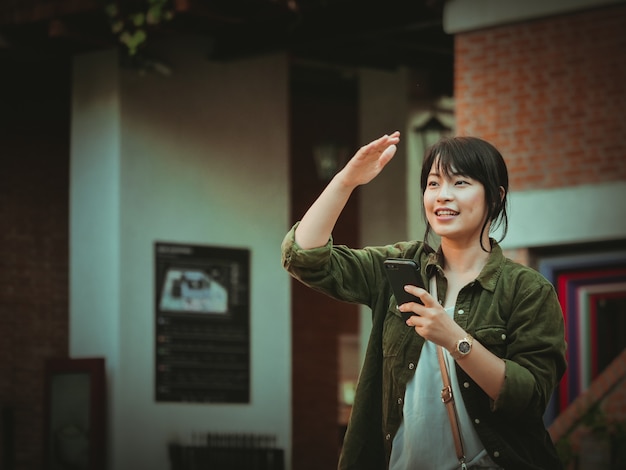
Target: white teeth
point(446, 213)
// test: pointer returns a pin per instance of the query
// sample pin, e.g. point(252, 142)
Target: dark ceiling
point(374, 34)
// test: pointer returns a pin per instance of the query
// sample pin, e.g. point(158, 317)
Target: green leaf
point(139, 19)
point(133, 41)
point(117, 26)
point(154, 15)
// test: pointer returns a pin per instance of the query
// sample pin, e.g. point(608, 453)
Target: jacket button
point(503, 336)
point(461, 311)
point(477, 421)
point(387, 437)
point(411, 366)
point(399, 401)
point(466, 384)
point(496, 454)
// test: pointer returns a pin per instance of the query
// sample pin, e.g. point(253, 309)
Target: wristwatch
point(463, 347)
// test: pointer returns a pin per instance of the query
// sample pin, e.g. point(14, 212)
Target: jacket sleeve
point(535, 357)
point(346, 274)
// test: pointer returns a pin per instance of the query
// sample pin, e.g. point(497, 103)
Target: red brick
point(555, 84)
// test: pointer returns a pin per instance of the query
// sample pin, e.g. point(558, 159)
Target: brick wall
point(550, 95)
point(34, 131)
point(317, 320)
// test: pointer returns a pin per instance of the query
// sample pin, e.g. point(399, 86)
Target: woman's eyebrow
point(449, 171)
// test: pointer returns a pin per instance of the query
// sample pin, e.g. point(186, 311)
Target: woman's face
point(455, 205)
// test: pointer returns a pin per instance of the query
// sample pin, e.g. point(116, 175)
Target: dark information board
point(202, 304)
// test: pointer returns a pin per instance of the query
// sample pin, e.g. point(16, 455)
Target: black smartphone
point(402, 272)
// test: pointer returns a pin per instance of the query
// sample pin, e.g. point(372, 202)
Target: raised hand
point(369, 160)
point(318, 222)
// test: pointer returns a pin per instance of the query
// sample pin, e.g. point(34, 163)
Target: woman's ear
point(502, 193)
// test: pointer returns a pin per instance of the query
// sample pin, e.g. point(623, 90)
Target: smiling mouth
point(445, 213)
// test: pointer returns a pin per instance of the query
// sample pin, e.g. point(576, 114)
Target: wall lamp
point(330, 157)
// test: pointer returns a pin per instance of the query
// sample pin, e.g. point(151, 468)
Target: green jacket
point(510, 309)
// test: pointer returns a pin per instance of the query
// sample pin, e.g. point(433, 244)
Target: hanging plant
point(595, 423)
point(130, 21)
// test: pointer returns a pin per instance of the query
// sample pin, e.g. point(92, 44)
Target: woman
point(498, 322)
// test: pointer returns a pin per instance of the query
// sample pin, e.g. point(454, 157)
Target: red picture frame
point(75, 414)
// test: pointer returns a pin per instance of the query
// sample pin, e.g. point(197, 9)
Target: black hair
point(476, 159)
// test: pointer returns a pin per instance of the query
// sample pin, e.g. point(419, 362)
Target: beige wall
point(198, 157)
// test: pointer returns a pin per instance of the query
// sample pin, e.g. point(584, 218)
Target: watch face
point(464, 347)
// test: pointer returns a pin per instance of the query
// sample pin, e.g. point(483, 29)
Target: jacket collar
point(488, 277)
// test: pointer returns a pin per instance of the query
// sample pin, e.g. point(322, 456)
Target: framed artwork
point(75, 414)
point(202, 344)
point(590, 287)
